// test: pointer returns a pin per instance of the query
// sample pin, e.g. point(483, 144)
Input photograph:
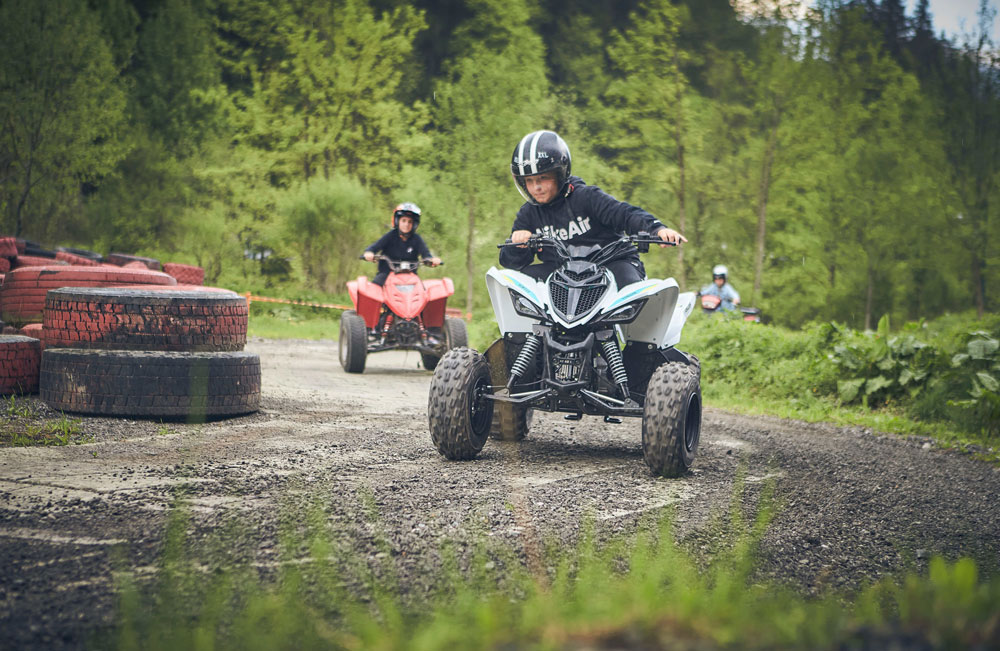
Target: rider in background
point(721, 288)
point(563, 206)
point(401, 243)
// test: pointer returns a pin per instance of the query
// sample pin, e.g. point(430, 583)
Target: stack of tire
point(156, 352)
point(22, 302)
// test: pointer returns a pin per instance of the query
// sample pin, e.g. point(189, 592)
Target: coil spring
point(615, 363)
point(525, 358)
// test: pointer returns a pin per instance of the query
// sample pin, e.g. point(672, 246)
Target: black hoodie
point(585, 216)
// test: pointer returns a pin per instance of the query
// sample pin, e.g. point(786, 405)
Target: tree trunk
point(978, 283)
point(763, 194)
point(681, 193)
point(870, 296)
point(470, 263)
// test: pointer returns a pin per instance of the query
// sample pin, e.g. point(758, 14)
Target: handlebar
point(641, 240)
point(400, 263)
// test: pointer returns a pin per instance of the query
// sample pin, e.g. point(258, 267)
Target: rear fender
point(438, 291)
point(367, 298)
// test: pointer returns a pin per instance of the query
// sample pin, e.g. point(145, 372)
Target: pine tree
point(62, 113)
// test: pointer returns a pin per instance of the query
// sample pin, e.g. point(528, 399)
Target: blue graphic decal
point(625, 298)
point(523, 289)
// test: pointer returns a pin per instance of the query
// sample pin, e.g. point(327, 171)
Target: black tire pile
point(148, 353)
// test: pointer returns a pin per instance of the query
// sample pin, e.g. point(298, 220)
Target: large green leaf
point(849, 389)
point(878, 383)
point(988, 381)
point(983, 348)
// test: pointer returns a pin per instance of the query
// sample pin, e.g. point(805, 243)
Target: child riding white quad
point(563, 322)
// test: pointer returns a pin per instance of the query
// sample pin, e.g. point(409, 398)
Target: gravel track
point(854, 505)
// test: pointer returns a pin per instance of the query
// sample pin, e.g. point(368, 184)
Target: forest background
point(838, 157)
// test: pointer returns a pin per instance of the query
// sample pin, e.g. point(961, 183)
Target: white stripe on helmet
point(520, 153)
point(534, 151)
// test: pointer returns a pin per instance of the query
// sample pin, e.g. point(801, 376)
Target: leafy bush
point(945, 371)
point(879, 367)
point(978, 367)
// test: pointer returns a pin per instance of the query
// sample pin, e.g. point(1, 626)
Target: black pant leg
point(539, 271)
point(627, 272)
point(380, 277)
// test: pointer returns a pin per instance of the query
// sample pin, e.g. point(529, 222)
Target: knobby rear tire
point(671, 421)
point(510, 422)
point(459, 418)
point(457, 333)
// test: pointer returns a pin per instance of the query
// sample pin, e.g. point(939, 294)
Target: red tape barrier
point(450, 311)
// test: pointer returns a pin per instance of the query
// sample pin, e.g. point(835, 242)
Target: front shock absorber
point(525, 358)
point(615, 364)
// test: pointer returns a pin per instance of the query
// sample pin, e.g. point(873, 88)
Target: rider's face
point(719, 280)
point(542, 187)
point(405, 224)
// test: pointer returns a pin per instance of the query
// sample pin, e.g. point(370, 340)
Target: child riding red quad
point(396, 310)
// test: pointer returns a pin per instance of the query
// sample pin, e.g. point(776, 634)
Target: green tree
point(327, 222)
point(973, 123)
point(325, 102)
point(647, 99)
point(883, 179)
point(492, 95)
point(62, 113)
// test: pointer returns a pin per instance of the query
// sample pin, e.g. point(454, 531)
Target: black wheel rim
point(480, 411)
point(692, 422)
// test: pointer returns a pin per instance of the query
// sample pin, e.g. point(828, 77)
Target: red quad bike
point(710, 303)
point(406, 314)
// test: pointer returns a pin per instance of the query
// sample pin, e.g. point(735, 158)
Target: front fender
point(499, 282)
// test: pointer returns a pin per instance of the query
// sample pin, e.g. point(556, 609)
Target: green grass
point(638, 590)
point(23, 425)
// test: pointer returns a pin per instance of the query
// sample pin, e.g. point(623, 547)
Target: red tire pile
point(124, 339)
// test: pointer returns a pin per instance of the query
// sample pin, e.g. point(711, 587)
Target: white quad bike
point(560, 352)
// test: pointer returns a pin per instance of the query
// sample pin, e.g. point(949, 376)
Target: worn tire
point(22, 295)
point(671, 420)
point(143, 319)
point(430, 360)
point(79, 260)
point(353, 342)
point(457, 333)
point(8, 247)
point(510, 422)
point(20, 358)
point(459, 423)
point(150, 384)
point(84, 253)
point(122, 259)
point(186, 274)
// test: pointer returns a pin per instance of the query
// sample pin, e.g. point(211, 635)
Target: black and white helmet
point(537, 153)
point(719, 271)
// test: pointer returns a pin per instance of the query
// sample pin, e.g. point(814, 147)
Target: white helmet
point(719, 270)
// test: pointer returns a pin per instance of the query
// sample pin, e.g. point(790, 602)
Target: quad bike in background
point(561, 351)
point(407, 313)
point(710, 303)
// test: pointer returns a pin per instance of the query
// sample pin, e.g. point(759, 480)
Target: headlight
point(524, 307)
point(624, 314)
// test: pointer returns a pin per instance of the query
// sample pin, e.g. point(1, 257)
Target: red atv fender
point(367, 298)
point(438, 291)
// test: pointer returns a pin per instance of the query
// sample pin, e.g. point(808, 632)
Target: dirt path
point(854, 505)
